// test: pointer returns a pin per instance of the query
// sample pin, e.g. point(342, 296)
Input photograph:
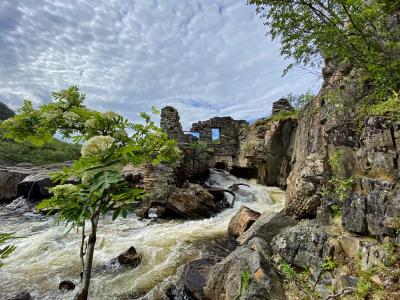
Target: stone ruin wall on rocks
point(224, 151)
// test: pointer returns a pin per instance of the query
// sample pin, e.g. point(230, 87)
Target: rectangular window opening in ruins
point(195, 134)
point(215, 136)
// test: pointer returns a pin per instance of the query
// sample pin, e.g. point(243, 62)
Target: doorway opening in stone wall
point(215, 136)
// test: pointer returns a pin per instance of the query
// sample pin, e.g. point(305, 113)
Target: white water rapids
point(45, 255)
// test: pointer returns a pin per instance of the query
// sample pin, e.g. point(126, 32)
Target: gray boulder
point(247, 273)
point(267, 226)
point(305, 245)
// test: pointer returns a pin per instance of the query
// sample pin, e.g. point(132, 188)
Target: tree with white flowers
point(109, 143)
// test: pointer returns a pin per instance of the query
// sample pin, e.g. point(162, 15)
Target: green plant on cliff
point(363, 34)
point(245, 278)
point(338, 186)
point(300, 100)
point(108, 146)
point(389, 108)
point(328, 264)
point(7, 250)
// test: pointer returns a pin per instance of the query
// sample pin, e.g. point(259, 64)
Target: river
point(46, 255)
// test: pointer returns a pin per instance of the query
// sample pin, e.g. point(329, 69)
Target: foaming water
point(45, 255)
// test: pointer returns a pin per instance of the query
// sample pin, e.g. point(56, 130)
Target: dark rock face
point(304, 245)
point(266, 147)
point(22, 296)
point(354, 210)
point(242, 221)
point(5, 112)
point(245, 274)
point(374, 214)
point(266, 227)
point(130, 258)
point(35, 187)
point(282, 105)
point(27, 181)
point(66, 285)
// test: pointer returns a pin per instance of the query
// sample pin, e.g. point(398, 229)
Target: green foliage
point(245, 278)
point(363, 288)
point(7, 250)
point(287, 270)
point(106, 149)
point(389, 108)
point(338, 186)
point(285, 115)
point(299, 101)
point(353, 32)
point(328, 265)
point(49, 153)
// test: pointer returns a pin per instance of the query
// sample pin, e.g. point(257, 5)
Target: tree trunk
point(82, 251)
point(83, 295)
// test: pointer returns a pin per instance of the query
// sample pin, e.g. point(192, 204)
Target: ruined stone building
point(220, 134)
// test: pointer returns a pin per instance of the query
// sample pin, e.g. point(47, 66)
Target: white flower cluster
point(96, 145)
point(110, 115)
point(63, 189)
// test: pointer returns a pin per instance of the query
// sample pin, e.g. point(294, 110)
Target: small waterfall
point(47, 256)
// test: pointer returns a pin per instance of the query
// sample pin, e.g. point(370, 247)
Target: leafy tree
point(6, 251)
point(298, 101)
point(364, 34)
point(106, 149)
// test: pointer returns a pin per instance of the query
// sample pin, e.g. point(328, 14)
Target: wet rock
point(130, 258)
point(195, 276)
point(354, 214)
point(35, 187)
point(22, 296)
point(66, 285)
point(193, 202)
point(267, 226)
point(20, 205)
point(242, 221)
point(245, 274)
point(304, 245)
point(9, 179)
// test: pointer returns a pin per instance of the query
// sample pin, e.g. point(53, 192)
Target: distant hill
point(12, 152)
point(5, 112)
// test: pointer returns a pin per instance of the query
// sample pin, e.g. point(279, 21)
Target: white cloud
point(204, 57)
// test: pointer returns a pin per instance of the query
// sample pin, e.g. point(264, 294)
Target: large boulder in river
point(22, 296)
point(170, 201)
point(242, 221)
point(35, 187)
point(193, 202)
point(130, 258)
point(9, 179)
point(247, 273)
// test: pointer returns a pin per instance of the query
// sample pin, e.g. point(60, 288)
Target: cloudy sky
point(205, 57)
